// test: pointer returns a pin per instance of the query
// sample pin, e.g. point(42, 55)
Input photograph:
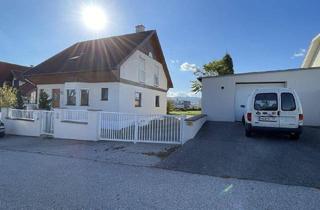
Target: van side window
point(287, 102)
point(266, 102)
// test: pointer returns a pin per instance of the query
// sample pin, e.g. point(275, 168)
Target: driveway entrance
point(222, 150)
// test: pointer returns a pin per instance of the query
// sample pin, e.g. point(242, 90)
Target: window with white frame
point(71, 97)
point(142, 70)
point(156, 76)
point(84, 97)
point(138, 99)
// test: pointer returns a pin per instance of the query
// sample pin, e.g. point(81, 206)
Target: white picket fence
point(141, 128)
point(74, 115)
point(21, 114)
point(97, 125)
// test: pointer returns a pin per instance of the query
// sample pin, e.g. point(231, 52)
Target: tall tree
point(7, 96)
point(44, 101)
point(19, 100)
point(213, 68)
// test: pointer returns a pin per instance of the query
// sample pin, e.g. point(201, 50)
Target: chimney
point(140, 28)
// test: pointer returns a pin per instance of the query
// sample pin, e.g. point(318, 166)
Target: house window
point(142, 71)
point(156, 77)
point(137, 99)
point(104, 94)
point(84, 98)
point(71, 97)
point(157, 102)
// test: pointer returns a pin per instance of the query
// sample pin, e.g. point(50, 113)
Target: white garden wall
point(90, 128)
point(192, 126)
point(77, 130)
point(21, 127)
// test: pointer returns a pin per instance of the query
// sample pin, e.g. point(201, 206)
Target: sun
point(94, 17)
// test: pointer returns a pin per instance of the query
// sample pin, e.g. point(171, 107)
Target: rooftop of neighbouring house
point(7, 69)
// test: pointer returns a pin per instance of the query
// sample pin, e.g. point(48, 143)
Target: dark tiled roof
point(94, 55)
point(6, 71)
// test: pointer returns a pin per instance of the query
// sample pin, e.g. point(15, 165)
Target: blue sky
point(260, 35)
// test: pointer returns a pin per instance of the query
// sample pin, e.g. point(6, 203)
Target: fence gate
point(141, 128)
point(47, 118)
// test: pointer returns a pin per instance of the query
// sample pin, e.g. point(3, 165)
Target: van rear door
point(266, 107)
point(289, 112)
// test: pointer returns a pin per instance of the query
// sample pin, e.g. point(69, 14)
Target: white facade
point(221, 100)
point(121, 95)
point(129, 70)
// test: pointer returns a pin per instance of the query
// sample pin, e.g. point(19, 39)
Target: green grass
point(189, 112)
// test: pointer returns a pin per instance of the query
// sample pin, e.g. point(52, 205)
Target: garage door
point(243, 91)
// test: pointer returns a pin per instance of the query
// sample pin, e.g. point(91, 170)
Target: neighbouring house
point(179, 104)
point(12, 75)
point(186, 102)
point(126, 73)
point(224, 97)
point(312, 58)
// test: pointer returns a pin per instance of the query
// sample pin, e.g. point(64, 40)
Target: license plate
point(267, 119)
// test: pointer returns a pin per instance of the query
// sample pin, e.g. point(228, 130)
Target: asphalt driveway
point(222, 150)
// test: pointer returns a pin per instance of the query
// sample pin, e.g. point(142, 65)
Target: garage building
point(224, 97)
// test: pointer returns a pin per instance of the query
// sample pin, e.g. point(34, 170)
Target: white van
point(276, 109)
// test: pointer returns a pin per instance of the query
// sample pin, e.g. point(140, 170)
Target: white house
point(126, 73)
point(312, 58)
point(224, 97)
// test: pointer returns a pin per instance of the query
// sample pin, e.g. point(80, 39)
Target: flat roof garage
point(224, 97)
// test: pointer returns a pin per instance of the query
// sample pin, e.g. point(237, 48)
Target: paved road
point(42, 181)
point(114, 152)
point(221, 149)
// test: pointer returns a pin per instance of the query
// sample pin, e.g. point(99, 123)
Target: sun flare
point(94, 17)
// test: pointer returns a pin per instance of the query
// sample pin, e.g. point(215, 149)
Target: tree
point(7, 96)
point(170, 106)
point(213, 68)
point(44, 101)
point(19, 100)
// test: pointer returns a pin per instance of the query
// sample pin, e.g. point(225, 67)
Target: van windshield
point(266, 101)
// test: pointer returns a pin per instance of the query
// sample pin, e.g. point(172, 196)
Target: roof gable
point(313, 53)
point(100, 55)
point(93, 55)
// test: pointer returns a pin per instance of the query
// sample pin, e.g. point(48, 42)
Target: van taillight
point(249, 117)
point(300, 117)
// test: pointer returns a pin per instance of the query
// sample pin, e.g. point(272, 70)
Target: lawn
point(187, 112)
